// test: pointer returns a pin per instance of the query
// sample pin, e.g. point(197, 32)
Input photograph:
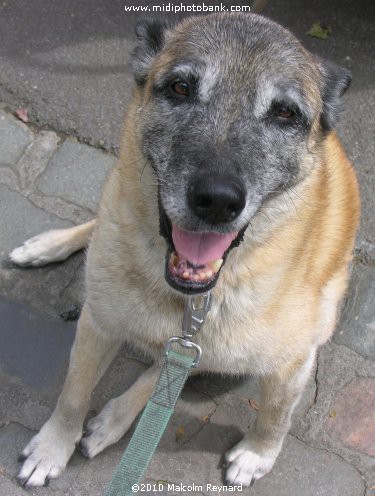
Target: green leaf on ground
point(319, 31)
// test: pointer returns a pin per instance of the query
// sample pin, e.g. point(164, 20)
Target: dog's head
point(232, 108)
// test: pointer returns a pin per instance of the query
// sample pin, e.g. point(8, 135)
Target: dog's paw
point(45, 457)
point(244, 465)
point(40, 250)
point(105, 429)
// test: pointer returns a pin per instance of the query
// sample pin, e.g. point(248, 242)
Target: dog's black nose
point(216, 198)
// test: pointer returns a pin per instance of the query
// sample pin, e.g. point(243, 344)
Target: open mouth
point(194, 259)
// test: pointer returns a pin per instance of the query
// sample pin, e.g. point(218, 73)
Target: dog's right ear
point(151, 34)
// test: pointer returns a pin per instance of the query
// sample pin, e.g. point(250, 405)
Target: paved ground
point(69, 65)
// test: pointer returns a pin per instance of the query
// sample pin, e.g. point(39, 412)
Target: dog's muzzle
point(194, 259)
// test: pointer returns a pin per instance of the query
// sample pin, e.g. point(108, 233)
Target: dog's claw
point(23, 482)
point(82, 449)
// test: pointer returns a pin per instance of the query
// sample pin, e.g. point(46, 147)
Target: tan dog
point(229, 146)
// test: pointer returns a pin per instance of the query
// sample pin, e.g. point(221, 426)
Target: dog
point(232, 179)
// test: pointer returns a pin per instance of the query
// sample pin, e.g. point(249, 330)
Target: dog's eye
point(284, 112)
point(182, 88)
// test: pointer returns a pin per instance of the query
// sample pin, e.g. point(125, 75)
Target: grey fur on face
point(240, 71)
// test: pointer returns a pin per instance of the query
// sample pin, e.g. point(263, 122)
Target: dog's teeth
point(216, 264)
point(183, 269)
point(205, 275)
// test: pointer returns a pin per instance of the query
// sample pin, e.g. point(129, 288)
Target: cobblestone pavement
point(49, 180)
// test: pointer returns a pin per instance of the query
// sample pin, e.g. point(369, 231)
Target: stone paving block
point(60, 207)
point(357, 326)
point(23, 404)
point(20, 220)
point(301, 470)
point(338, 367)
point(36, 158)
point(352, 416)
point(361, 149)
point(33, 347)
point(76, 173)
point(8, 177)
point(193, 412)
point(34, 353)
point(13, 438)
point(88, 477)
point(20, 176)
point(7, 488)
point(365, 252)
point(45, 288)
point(14, 138)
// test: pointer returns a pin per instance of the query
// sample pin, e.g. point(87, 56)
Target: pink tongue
point(200, 248)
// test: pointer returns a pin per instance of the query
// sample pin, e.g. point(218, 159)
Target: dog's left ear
point(336, 81)
point(151, 34)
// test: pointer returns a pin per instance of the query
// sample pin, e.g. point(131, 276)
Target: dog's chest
point(232, 339)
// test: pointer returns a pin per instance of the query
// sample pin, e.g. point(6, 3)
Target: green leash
point(160, 406)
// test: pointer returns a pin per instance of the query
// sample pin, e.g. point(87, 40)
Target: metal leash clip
point(195, 312)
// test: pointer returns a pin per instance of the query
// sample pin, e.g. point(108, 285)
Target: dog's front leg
point(255, 455)
point(49, 451)
point(118, 415)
